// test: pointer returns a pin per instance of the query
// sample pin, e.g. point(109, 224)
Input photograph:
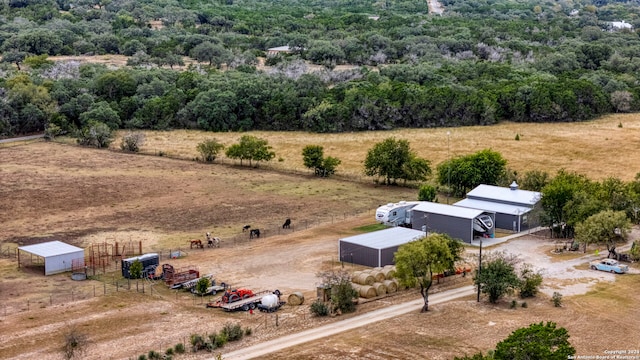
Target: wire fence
point(108, 271)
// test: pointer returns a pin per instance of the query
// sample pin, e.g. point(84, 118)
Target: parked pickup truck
point(609, 265)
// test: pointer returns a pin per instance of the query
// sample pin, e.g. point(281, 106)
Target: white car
point(610, 265)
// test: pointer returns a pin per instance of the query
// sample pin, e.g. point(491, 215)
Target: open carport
point(376, 248)
point(56, 256)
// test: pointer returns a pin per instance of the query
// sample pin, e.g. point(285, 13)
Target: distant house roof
point(449, 210)
point(493, 206)
point(503, 194)
point(621, 25)
point(285, 48)
point(386, 238)
point(51, 248)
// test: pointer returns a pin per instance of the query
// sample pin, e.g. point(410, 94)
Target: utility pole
point(479, 269)
point(448, 167)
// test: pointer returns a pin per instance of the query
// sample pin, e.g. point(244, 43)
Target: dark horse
point(254, 233)
point(246, 227)
point(287, 224)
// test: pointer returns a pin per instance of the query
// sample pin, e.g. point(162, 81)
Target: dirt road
point(345, 325)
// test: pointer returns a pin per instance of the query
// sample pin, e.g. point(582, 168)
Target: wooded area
point(479, 63)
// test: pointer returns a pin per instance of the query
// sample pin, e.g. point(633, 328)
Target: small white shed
point(57, 256)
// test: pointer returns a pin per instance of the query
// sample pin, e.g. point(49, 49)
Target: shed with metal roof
point(456, 221)
point(56, 256)
point(376, 248)
point(514, 208)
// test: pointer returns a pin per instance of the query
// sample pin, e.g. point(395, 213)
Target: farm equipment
point(270, 303)
point(241, 299)
point(211, 290)
point(175, 278)
point(191, 284)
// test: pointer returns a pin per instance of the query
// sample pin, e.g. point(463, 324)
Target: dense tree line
point(479, 63)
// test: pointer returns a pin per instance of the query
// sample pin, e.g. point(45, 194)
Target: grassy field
point(601, 148)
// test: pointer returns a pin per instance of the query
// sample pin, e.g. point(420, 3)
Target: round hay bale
point(355, 274)
point(391, 286)
point(379, 275)
point(365, 291)
point(389, 272)
point(378, 268)
point(364, 279)
point(296, 298)
point(381, 289)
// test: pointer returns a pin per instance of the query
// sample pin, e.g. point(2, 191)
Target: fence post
point(105, 287)
point(28, 305)
point(72, 298)
point(50, 300)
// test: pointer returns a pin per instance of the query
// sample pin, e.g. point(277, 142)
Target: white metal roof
point(518, 196)
point(51, 248)
point(449, 210)
point(493, 206)
point(384, 239)
point(280, 48)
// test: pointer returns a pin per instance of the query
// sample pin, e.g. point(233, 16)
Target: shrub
point(197, 341)
point(153, 355)
point(142, 357)
point(248, 331)
point(209, 149)
point(221, 340)
point(75, 344)
point(132, 141)
point(319, 308)
point(179, 348)
point(513, 304)
point(557, 299)
point(95, 134)
point(426, 193)
point(524, 304)
point(233, 332)
point(52, 131)
point(169, 351)
point(530, 282)
point(517, 137)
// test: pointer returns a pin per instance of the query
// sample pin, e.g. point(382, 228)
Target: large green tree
point(497, 277)
point(556, 195)
point(251, 148)
point(393, 159)
point(466, 172)
point(536, 342)
point(313, 158)
point(417, 261)
point(606, 227)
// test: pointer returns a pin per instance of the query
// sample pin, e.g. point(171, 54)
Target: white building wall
point(61, 263)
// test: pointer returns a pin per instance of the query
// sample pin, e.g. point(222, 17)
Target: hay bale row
point(296, 298)
point(379, 275)
point(363, 278)
point(392, 285)
point(365, 291)
point(389, 271)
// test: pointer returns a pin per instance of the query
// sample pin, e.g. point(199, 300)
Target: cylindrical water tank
point(270, 300)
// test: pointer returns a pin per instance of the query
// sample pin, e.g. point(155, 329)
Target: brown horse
point(196, 243)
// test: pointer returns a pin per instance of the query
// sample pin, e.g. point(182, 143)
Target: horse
point(287, 224)
point(246, 227)
point(213, 242)
point(197, 243)
point(254, 233)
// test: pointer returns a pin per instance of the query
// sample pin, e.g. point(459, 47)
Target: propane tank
point(270, 301)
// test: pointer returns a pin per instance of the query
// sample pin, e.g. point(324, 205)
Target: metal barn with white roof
point(513, 207)
point(376, 248)
point(57, 256)
point(455, 221)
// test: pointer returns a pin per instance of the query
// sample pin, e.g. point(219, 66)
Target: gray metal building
point(375, 248)
point(515, 209)
point(456, 221)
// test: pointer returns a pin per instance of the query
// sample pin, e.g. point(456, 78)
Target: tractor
point(236, 294)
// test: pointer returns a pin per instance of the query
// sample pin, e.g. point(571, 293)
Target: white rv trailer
point(396, 214)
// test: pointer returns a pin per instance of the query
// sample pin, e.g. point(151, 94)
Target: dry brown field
point(86, 196)
point(598, 149)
